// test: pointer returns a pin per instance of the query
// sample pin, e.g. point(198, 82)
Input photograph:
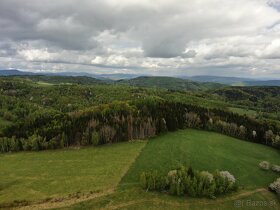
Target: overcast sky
point(158, 37)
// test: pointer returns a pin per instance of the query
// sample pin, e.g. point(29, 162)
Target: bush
point(193, 183)
point(176, 181)
point(95, 138)
point(16, 144)
point(275, 168)
point(228, 176)
point(275, 186)
point(151, 181)
point(225, 182)
point(207, 175)
point(264, 165)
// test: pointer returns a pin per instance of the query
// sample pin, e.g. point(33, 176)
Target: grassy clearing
point(206, 151)
point(241, 111)
point(44, 83)
point(40, 175)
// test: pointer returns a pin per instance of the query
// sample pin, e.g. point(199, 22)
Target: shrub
point(228, 176)
point(52, 144)
point(225, 182)
point(37, 143)
point(152, 180)
point(193, 183)
point(5, 144)
point(275, 186)
point(275, 168)
point(16, 144)
point(264, 165)
point(95, 138)
point(207, 175)
point(207, 186)
point(176, 181)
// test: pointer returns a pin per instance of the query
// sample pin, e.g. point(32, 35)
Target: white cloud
point(35, 55)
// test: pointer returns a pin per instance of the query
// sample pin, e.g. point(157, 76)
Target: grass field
point(48, 173)
point(241, 111)
point(204, 151)
point(40, 175)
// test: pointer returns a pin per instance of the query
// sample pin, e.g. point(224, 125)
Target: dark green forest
point(48, 112)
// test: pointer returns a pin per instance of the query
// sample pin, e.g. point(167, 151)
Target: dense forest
point(38, 112)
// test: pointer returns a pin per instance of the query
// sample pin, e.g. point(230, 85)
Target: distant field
point(40, 175)
point(254, 113)
point(44, 83)
point(241, 111)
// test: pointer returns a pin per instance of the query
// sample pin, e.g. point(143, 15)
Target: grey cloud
point(189, 54)
point(152, 34)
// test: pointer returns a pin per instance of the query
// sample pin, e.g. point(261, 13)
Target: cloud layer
point(160, 37)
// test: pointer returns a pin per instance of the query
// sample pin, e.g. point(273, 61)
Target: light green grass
point(40, 175)
point(40, 83)
point(241, 111)
point(206, 151)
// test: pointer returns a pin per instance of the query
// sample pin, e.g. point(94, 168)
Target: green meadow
point(50, 174)
point(203, 151)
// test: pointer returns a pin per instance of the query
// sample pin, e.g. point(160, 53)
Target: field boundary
point(64, 201)
point(185, 205)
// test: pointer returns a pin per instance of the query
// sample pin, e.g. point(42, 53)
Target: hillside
point(262, 83)
point(170, 83)
point(221, 80)
point(234, 81)
point(14, 72)
point(261, 98)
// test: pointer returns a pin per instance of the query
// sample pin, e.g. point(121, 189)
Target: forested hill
point(218, 79)
point(260, 97)
point(42, 112)
point(235, 81)
point(263, 83)
point(170, 83)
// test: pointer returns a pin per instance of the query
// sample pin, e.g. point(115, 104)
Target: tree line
point(123, 121)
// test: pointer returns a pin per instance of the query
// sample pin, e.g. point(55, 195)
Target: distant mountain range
point(234, 81)
point(170, 83)
point(117, 76)
point(13, 72)
point(182, 82)
point(217, 79)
